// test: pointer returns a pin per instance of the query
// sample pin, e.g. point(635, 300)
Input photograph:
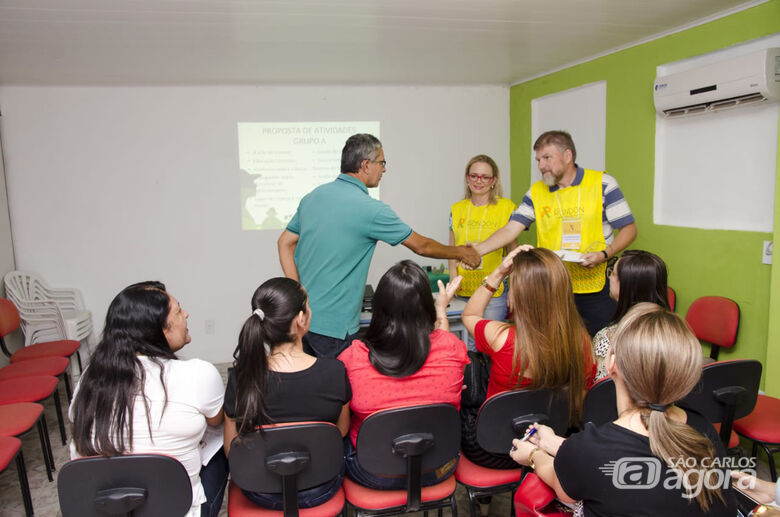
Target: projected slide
point(281, 162)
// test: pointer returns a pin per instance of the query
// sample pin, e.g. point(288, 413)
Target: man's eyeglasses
point(383, 163)
point(479, 177)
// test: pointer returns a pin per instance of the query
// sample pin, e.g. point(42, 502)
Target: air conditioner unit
point(747, 79)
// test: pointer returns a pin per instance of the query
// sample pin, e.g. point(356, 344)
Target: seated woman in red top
point(546, 346)
point(407, 357)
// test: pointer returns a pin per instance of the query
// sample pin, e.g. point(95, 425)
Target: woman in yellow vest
point(474, 219)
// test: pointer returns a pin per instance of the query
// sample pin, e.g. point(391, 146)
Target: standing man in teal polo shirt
point(328, 244)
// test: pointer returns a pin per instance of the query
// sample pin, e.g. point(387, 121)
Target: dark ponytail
point(275, 304)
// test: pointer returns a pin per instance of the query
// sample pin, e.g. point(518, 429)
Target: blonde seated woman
point(656, 458)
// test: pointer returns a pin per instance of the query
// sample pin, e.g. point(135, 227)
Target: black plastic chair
point(600, 405)
point(406, 442)
point(284, 459)
point(727, 391)
point(502, 418)
point(141, 485)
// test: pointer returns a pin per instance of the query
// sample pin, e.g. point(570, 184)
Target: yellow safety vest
point(475, 224)
point(583, 202)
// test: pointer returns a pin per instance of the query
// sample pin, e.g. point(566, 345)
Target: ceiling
point(166, 42)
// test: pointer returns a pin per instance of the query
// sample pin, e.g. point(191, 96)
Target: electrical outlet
point(210, 327)
point(766, 257)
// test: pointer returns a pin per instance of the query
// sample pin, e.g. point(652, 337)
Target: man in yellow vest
point(577, 212)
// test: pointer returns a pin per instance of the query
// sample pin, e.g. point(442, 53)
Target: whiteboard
point(582, 111)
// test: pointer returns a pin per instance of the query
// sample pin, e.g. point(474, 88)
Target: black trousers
point(596, 309)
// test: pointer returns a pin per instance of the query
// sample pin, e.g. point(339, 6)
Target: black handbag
point(475, 378)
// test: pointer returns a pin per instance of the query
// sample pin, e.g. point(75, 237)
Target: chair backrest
point(20, 286)
point(507, 415)
point(408, 441)
point(671, 297)
point(714, 319)
point(144, 485)
point(287, 458)
point(600, 406)
point(728, 390)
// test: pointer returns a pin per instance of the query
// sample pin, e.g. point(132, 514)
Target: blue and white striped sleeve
point(525, 214)
point(616, 210)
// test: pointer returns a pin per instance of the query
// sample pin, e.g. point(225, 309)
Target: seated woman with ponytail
point(655, 459)
point(274, 381)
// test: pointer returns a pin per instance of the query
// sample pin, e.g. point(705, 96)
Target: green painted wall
point(701, 262)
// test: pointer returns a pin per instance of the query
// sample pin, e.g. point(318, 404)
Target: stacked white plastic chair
point(48, 313)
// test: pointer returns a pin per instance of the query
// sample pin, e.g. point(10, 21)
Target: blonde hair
point(660, 361)
point(496, 192)
point(550, 339)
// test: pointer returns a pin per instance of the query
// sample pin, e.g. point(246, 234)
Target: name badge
point(571, 234)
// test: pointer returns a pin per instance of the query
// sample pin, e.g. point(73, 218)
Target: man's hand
point(469, 256)
point(592, 259)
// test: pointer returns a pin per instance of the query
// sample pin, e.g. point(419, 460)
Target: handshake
point(469, 256)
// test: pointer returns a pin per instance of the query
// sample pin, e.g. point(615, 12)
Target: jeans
point(367, 479)
point(308, 498)
point(495, 310)
point(325, 346)
point(213, 477)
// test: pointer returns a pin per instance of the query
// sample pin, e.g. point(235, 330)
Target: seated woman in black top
point(656, 458)
point(274, 381)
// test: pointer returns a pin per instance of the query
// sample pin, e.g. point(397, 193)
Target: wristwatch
point(487, 286)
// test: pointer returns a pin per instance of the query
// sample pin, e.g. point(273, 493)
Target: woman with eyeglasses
point(638, 276)
point(473, 219)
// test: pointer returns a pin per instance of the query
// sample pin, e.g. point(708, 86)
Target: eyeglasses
point(479, 177)
point(383, 163)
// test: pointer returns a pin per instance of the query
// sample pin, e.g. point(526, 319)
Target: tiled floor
point(44, 493)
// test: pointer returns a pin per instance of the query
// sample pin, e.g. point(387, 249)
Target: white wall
point(109, 186)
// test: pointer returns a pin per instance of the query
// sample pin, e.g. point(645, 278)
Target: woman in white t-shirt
point(136, 396)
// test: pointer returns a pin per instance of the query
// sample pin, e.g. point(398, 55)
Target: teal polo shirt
point(338, 225)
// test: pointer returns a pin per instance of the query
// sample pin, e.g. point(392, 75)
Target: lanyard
point(481, 223)
point(579, 200)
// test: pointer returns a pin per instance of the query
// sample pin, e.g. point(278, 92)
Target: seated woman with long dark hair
point(407, 357)
point(545, 346)
point(282, 383)
point(638, 276)
point(135, 396)
point(656, 458)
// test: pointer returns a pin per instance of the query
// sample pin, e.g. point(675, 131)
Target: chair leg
point(60, 421)
point(25, 486)
point(771, 458)
point(48, 456)
point(472, 502)
point(454, 506)
point(68, 388)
